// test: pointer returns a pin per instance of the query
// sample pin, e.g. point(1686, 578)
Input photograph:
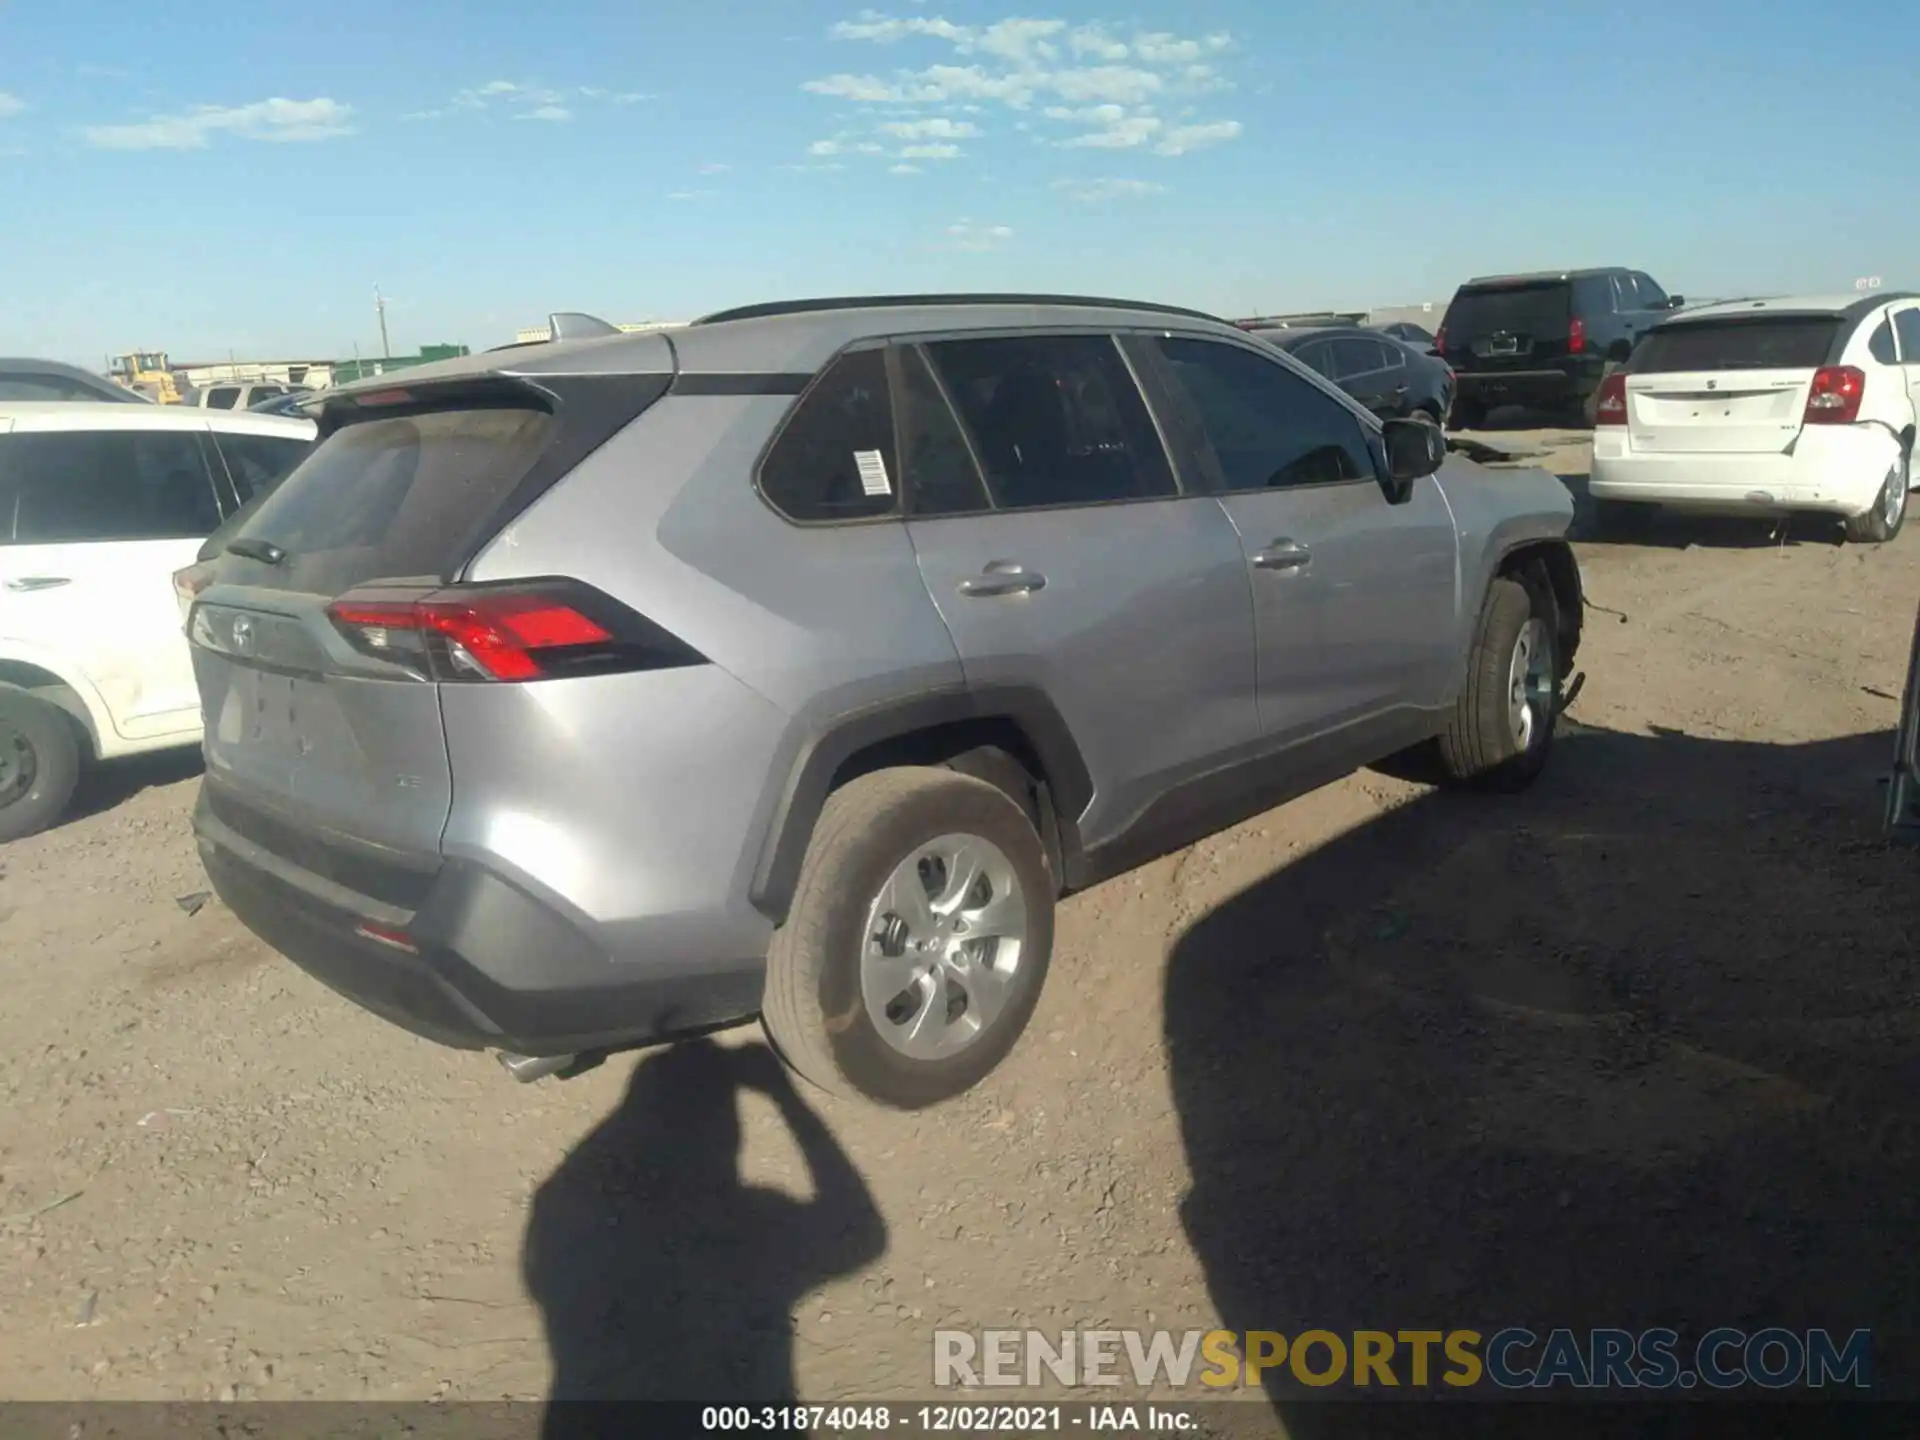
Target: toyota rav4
point(582, 695)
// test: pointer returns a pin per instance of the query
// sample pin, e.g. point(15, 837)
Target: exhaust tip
point(529, 1068)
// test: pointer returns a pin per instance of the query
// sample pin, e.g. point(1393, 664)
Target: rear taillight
point(1576, 335)
point(188, 583)
point(1835, 396)
point(538, 630)
point(1610, 405)
point(1440, 341)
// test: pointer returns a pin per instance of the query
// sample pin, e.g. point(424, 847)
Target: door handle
point(1003, 577)
point(1283, 554)
point(38, 582)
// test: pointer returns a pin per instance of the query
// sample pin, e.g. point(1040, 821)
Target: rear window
point(1775, 343)
point(1512, 309)
point(397, 499)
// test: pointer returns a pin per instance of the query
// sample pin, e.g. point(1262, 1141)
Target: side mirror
point(1414, 448)
point(1674, 302)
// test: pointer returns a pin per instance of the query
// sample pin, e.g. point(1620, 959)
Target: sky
point(215, 179)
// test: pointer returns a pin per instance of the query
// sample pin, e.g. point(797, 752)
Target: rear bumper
point(1836, 470)
point(490, 967)
point(1539, 389)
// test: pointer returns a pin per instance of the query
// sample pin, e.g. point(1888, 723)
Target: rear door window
point(1785, 342)
point(1880, 345)
point(834, 457)
point(1509, 309)
point(402, 498)
point(1354, 357)
point(259, 462)
point(223, 397)
point(936, 466)
point(74, 486)
point(1268, 427)
point(1906, 324)
point(1055, 419)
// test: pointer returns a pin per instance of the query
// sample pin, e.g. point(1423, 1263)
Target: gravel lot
point(1635, 1048)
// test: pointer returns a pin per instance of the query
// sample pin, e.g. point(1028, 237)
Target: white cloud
point(903, 169)
point(690, 194)
point(825, 147)
point(10, 105)
point(1123, 133)
point(1091, 192)
point(714, 167)
point(936, 129)
point(1110, 87)
point(1183, 138)
point(965, 235)
point(270, 120)
point(527, 101)
point(930, 152)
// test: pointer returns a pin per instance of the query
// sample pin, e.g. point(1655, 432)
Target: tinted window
point(1771, 343)
point(400, 498)
point(107, 485)
point(1907, 324)
point(1353, 357)
point(1317, 357)
point(834, 458)
point(1652, 297)
point(1625, 297)
point(1057, 420)
point(938, 468)
point(259, 462)
point(1267, 426)
point(28, 387)
point(1516, 309)
point(222, 397)
point(1881, 345)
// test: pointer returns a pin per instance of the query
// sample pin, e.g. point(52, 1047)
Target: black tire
point(1479, 746)
point(1875, 527)
point(39, 764)
point(1467, 415)
point(814, 1012)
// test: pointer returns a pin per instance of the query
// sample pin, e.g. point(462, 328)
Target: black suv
point(1544, 340)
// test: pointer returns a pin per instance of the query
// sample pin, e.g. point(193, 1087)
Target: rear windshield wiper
point(265, 551)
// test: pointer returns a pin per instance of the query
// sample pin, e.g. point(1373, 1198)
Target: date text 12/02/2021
point(944, 1418)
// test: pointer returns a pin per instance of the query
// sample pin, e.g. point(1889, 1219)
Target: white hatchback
point(99, 505)
point(1770, 407)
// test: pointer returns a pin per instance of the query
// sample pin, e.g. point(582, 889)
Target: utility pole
point(380, 309)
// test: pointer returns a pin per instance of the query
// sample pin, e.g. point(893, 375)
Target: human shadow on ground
point(660, 1274)
point(1637, 1048)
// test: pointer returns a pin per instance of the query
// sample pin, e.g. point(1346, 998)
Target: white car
point(99, 505)
point(1768, 407)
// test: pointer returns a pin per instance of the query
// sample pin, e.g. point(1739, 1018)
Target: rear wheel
point(39, 764)
point(1501, 730)
point(918, 940)
point(1889, 512)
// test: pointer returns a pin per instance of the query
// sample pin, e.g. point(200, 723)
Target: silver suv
point(577, 696)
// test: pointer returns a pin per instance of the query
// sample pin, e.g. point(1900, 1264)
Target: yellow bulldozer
point(148, 372)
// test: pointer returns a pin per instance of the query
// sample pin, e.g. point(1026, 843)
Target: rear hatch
point(326, 630)
point(1508, 325)
point(1725, 384)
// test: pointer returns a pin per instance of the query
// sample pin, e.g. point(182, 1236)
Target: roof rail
point(572, 325)
point(884, 302)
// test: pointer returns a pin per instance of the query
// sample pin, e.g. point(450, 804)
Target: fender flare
point(776, 871)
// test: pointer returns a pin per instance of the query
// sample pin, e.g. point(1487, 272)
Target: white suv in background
point(99, 505)
point(1768, 406)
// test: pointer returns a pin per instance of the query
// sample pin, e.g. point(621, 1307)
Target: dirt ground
point(1637, 1047)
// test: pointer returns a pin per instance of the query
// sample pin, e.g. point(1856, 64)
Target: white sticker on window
point(873, 472)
